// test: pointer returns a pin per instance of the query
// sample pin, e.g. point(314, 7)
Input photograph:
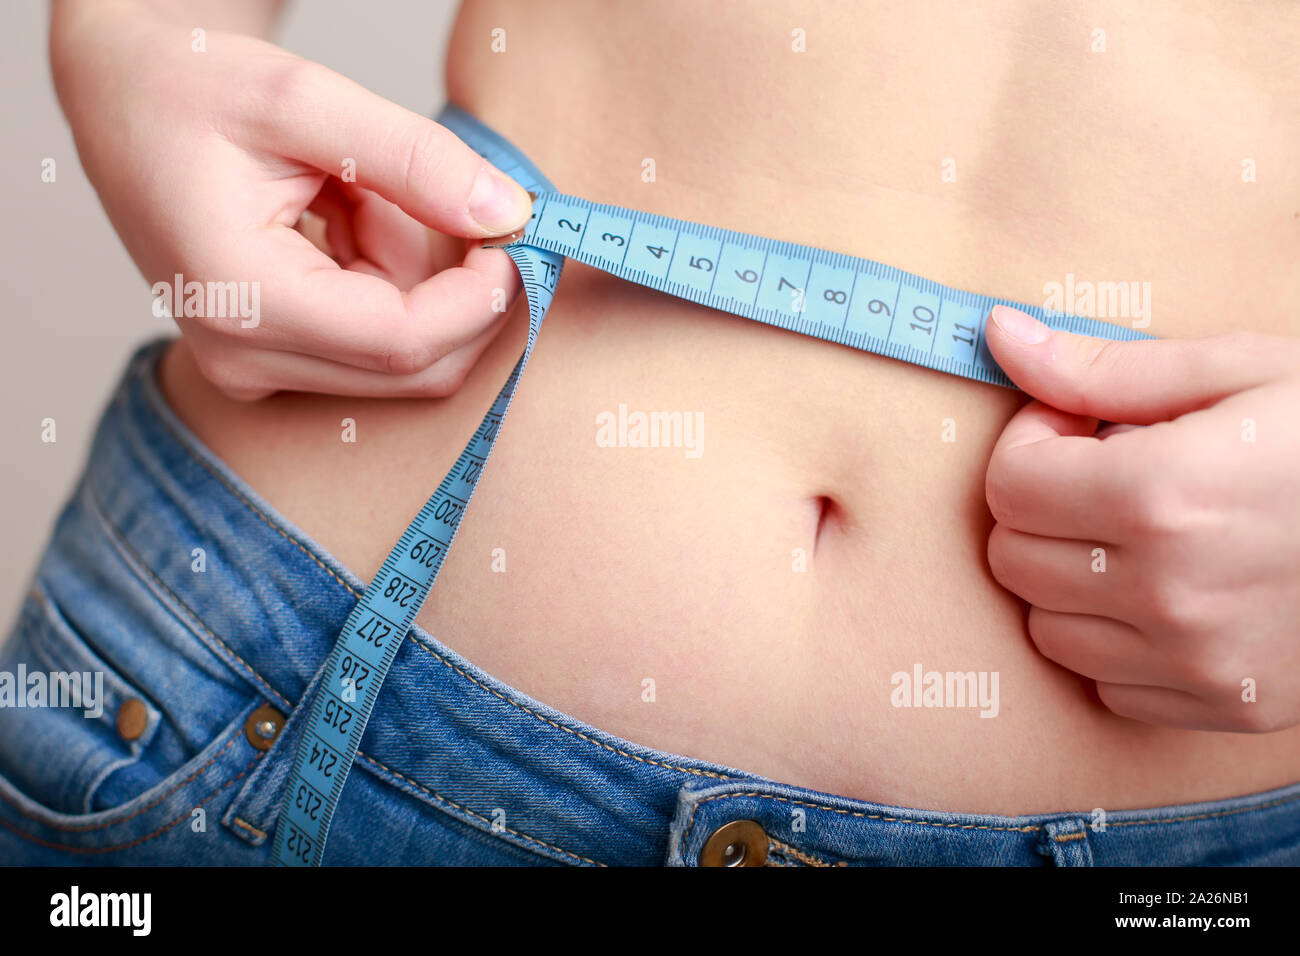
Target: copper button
point(738, 843)
point(132, 719)
point(263, 726)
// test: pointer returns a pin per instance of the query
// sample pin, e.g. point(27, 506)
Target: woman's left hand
point(1160, 557)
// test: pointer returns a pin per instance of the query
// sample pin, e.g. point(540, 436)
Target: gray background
point(76, 305)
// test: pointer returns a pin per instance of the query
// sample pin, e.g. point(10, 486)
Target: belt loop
point(252, 815)
point(1067, 841)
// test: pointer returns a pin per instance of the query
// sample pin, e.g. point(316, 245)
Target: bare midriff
point(748, 601)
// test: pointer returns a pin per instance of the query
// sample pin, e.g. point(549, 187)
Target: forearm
point(254, 17)
point(94, 42)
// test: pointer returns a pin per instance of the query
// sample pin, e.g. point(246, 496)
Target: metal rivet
point(132, 719)
point(263, 726)
point(738, 843)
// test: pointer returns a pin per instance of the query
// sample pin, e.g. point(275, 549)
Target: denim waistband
point(455, 766)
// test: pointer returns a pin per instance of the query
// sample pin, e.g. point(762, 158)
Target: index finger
point(322, 118)
point(314, 307)
point(1049, 475)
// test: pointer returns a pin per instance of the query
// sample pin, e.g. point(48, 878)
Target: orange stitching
point(799, 855)
point(1069, 836)
point(253, 507)
point(569, 730)
point(852, 813)
point(1198, 816)
point(479, 816)
point(113, 823)
point(238, 821)
point(690, 823)
point(137, 842)
point(60, 623)
point(116, 536)
point(968, 826)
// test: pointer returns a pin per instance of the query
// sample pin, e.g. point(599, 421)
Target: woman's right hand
point(206, 156)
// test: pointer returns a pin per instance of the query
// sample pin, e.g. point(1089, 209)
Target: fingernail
point(498, 203)
point(1019, 325)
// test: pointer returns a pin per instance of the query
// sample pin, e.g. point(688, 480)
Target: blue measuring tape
point(851, 301)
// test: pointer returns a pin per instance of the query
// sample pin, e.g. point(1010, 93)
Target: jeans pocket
point(87, 760)
point(68, 721)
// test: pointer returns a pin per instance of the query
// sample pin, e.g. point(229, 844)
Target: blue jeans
point(208, 616)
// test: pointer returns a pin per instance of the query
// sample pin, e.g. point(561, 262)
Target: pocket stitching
point(439, 797)
point(47, 616)
point(136, 564)
point(112, 823)
point(119, 688)
point(125, 846)
point(54, 644)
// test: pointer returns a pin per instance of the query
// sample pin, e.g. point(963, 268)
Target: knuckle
point(292, 83)
point(409, 355)
point(1254, 719)
point(215, 327)
point(224, 370)
point(424, 161)
point(1046, 635)
point(445, 378)
point(1000, 557)
point(1205, 358)
point(287, 86)
point(997, 491)
point(438, 388)
point(1104, 354)
point(1099, 360)
point(450, 381)
point(403, 351)
point(1168, 603)
point(1156, 510)
point(1238, 341)
point(1114, 698)
point(1207, 667)
point(401, 361)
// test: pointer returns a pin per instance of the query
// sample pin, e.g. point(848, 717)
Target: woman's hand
point(1163, 560)
point(205, 160)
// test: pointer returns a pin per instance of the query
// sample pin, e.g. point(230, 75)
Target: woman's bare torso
point(625, 565)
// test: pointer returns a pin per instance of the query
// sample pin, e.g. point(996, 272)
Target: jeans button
point(738, 843)
point(263, 726)
point(132, 719)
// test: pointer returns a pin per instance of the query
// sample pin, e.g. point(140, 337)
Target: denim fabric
point(455, 767)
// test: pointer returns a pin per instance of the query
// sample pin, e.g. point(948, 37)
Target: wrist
point(87, 39)
point(84, 34)
point(252, 17)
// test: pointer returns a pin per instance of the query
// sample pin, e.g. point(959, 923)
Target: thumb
point(1136, 382)
point(324, 119)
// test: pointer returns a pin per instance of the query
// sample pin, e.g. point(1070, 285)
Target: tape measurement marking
point(827, 295)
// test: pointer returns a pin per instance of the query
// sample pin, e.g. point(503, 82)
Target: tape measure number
point(851, 301)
